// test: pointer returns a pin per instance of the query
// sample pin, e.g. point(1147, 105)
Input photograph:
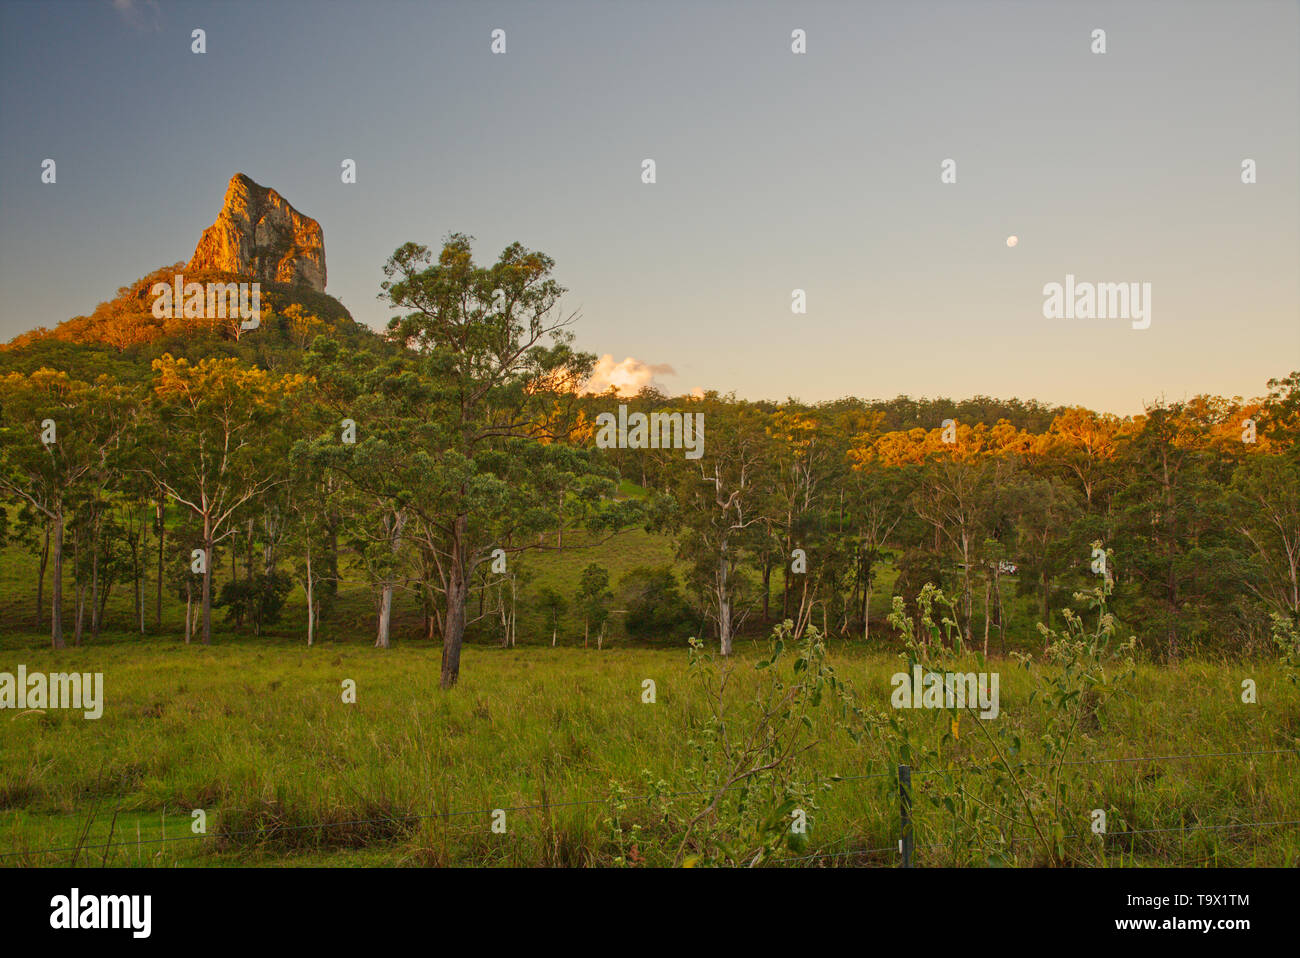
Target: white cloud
point(627, 376)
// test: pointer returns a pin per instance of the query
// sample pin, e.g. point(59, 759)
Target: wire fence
point(903, 774)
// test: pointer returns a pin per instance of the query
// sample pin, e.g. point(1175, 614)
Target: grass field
point(258, 736)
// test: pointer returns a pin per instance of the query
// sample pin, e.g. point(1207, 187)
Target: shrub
point(259, 601)
point(654, 603)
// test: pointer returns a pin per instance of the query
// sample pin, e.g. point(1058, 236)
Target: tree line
point(433, 458)
point(1191, 510)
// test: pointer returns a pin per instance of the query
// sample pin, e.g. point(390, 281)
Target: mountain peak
point(258, 233)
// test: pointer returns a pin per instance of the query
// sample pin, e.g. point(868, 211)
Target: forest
point(438, 464)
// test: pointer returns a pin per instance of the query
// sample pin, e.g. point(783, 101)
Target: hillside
point(258, 237)
point(122, 336)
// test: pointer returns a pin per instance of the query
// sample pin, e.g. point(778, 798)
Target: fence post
point(905, 813)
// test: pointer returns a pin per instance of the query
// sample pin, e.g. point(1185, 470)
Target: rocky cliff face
point(258, 234)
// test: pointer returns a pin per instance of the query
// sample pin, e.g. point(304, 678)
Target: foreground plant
point(1287, 637)
point(751, 793)
point(1011, 790)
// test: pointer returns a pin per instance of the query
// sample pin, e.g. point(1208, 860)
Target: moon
point(1013, 240)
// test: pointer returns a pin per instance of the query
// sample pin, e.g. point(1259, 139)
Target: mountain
point(258, 233)
point(257, 237)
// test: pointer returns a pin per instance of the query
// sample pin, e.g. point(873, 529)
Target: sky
point(775, 171)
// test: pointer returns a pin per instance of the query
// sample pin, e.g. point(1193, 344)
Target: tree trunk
point(137, 574)
point(81, 611)
point(866, 604)
point(382, 641)
point(311, 620)
point(988, 586)
point(505, 621)
point(724, 605)
point(270, 554)
point(248, 552)
point(785, 581)
point(966, 603)
point(1002, 625)
point(104, 593)
point(56, 617)
point(40, 578)
point(160, 512)
point(140, 572)
point(94, 581)
point(514, 609)
point(456, 594)
point(80, 591)
point(207, 579)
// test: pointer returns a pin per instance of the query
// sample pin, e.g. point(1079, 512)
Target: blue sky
point(775, 171)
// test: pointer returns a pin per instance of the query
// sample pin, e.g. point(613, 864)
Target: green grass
point(258, 736)
point(254, 732)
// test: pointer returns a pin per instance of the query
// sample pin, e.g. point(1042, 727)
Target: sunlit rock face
point(258, 234)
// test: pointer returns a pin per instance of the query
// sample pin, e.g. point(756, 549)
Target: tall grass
point(258, 736)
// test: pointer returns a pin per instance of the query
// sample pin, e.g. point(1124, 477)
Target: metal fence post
point(905, 813)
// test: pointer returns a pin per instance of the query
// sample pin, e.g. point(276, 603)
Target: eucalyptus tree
point(721, 499)
point(1046, 511)
point(57, 435)
point(470, 433)
point(213, 446)
point(1180, 562)
point(876, 499)
point(1265, 510)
